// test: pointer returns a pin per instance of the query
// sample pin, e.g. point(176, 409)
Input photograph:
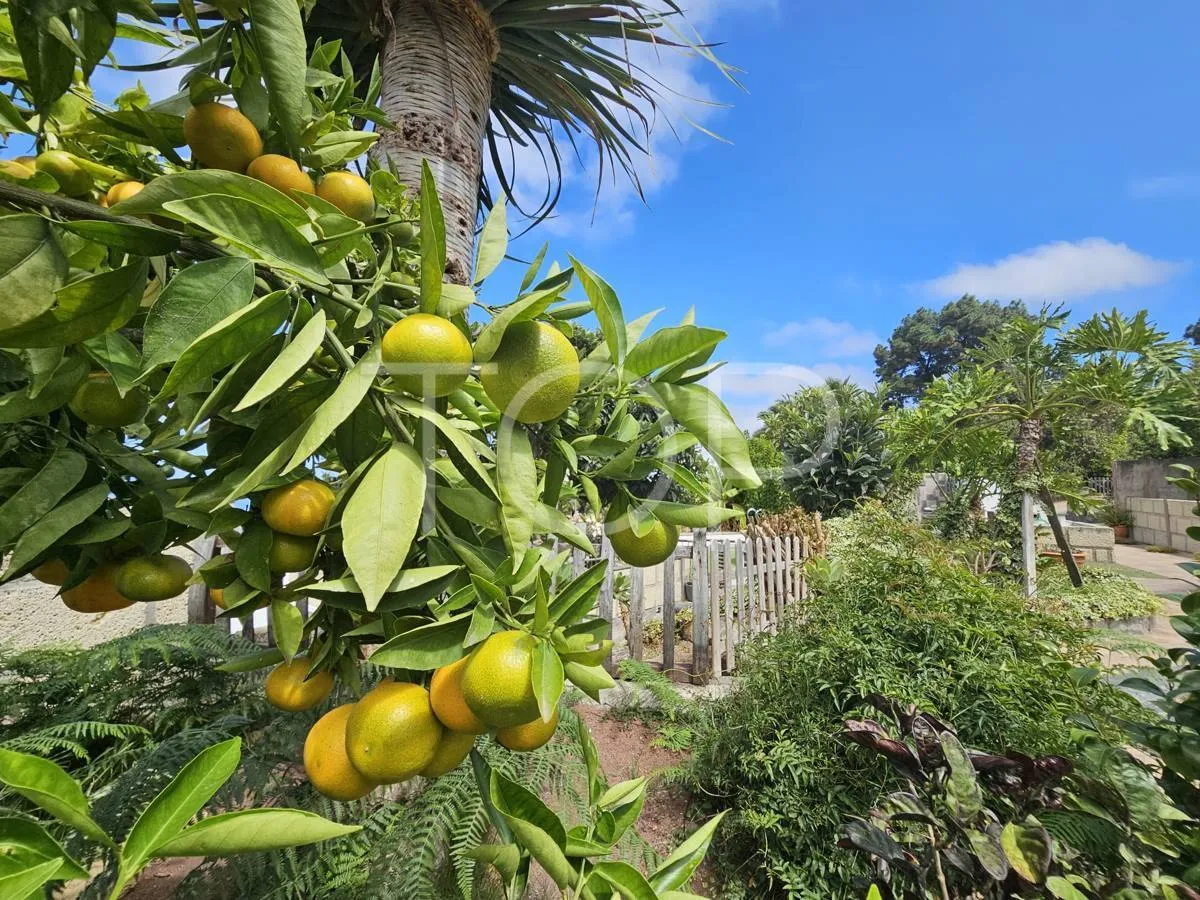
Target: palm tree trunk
point(1029, 438)
point(436, 74)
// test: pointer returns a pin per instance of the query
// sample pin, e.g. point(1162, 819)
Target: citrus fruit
point(325, 760)
point(218, 597)
point(17, 170)
point(281, 173)
point(299, 508)
point(446, 696)
point(221, 137)
point(122, 191)
point(497, 682)
point(402, 286)
point(290, 553)
point(427, 355)
point(402, 233)
point(98, 592)
point(647, 550)
point(73, 180)
point(98, 402)
point(52, 571)
point(288, 686)
point(534, 373)
point(29, 162)
point(392, 733)
point(349, 193)
point(148, 579)
point(528, 737)
point(451, 750)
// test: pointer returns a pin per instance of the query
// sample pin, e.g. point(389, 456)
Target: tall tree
point(928, 343)
point(1192, 332)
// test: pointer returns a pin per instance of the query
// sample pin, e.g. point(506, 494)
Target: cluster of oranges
point(399, 730)
point(117, 584)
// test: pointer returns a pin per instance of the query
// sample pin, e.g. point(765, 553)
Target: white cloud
point(831, 338)
point(1159, 187)
point(1058, 270)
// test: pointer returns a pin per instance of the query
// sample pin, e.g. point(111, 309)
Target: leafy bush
point(894, 613)
point(1104, 595)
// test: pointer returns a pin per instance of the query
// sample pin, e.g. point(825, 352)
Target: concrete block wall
point(1164, 522)
point(1095, 541)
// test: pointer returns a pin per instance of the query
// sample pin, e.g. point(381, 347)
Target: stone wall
point(1146, 478)
point(1164, 523)
point(1095, 541)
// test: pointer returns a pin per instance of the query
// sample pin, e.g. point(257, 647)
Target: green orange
point(427, 355)
point(99, 402)
point(325, 760)
point(451, 750)
point(299, 508)
point(73, 180)
point(290, 553)
point(449, 705)
point(528, 737)
point(290, 688)
point(282, 173)
point(497, 682)
point(649, 549)
point(149, 579)
point(534, 374)
point(98, 592)
point(392, 733)
point(221, 137)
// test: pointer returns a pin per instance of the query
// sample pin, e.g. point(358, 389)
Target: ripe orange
point(528, 737)
point(122, 191)
point(289, 688)
point(349, 193)
point(73, 180)
point(648, 550)
point(497, 682)
point(446, 696)
point(299, 508)
point(534, 375)
point(52, 571)
point(98, 593)
point(221, 137)
point(281, 173)
point(392, 733)
point(325, 760)
point(98, 402)
point(427, 355)
point(452, 749)
point(290, 553)
point(148, 579)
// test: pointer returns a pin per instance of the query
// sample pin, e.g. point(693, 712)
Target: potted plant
point(1120, 520)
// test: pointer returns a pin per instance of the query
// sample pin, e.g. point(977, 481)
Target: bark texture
point(436, 71)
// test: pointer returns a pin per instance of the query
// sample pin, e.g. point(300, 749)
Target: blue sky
point(888, 156)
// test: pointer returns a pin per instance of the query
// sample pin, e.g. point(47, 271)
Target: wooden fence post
point(604, 605)
point(805, 549)
point(668, 614)
point(637, 584)
point(200, 610)
point(714, 605)
point(701, 667)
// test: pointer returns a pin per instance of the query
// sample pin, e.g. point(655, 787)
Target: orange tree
point(262, 345)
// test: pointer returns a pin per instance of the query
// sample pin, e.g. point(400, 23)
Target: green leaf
point(253, 830)
point(285, 366)
point(49, 787)
point(49, 63)
point(527, 307)
point(88, 307)
point(1059, 887)
point(22, 872)
point(256, 230)
point(338, 147)
point(483, 622)
point(41, 493)
point(425, 648)
point(699, 410)
point(589, 679)
point(547, 679)
point(493, 241)
point(623, 793)
point(678, 868)
point(32, 266)
point(178, 802)
point(52, 526)
point(278, 33)
point(608, 310)
point(22, 834)
point(118, 356)
point(381, 518)
point(575, 600)
point(505, 857)
point(964, 797)
point(518, 487)
point(250, 555)
point(433, 242)
point(462, 449)
point(252, 662)
point(625, 878)
point(287, 624)
point(690, 515)
point(1028, 850)
point(195, 300)
point(455, 299)
point(988, 851)
point(17, 405)
point(130, 237)
point(12, 117)
point(341, 403)
point(225, 343)
point(670, 346)
point(534, 827)
point(201, 182)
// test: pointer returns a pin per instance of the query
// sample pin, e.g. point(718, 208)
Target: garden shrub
point(893, 612)
point(1105, 595)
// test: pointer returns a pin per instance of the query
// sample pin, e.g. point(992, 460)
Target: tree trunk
point(1029, 438)
point(1060, 537)
point(436, 72)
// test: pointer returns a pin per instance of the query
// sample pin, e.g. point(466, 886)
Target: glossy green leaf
point(179, 801)
point(250, 555)
point(23, 834)
point(87, 307)
point(699, 410)
point(118, 356)
point(201, 182)
point(1059, 887)
point(670, 346)
point(518, 487)
point(32, 266)
point(505, 857)
point(23, 872)
point(483, 623)
point(1028, 850)
point(49, 787)
point(131, 237)
point(589, 679)
point(289, 362)
point(425, 648)
point(195, 300)
point(964, 797)
point(547, 679)
point(455, 299)
point(52, 526)
point(40, 494)
point(278, 34)
point(677, 869)
point(534, 826)
point(225, 343)
point(341, 403)
point(18, 404)
point(381, 518)
point(493, 241)
point(253, 830)
point(463, 449)
point(433, 242)
point(252, 662)
point(257, 231)
point(287, 625)
point(608, 310)
point(690, 515)
point(625, 878)
point(528, 307)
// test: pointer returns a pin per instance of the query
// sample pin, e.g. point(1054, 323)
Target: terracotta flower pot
point(1121, 533)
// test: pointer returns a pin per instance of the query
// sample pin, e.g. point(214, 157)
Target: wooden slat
point(200, 609)
point(714, 605)
point(637, 585)
point(668, 614)
point(701, 664)
point(747, 579)
point(779, 577)
point(804, 551)
point(731, 630)
point(764, 583)
point(788, 559)
point(604, 605)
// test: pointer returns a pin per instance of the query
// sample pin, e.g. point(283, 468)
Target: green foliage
point(896, 613)
point(833, 445)
point(769, 462)
point(928, 344)
point(1104, 595)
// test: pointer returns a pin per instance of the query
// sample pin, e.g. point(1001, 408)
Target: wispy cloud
point(1058, 270)
point(749, 388)
point(1161, 187)
point(825, 336)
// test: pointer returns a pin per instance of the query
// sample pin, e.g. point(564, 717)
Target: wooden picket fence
point(735, 586)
